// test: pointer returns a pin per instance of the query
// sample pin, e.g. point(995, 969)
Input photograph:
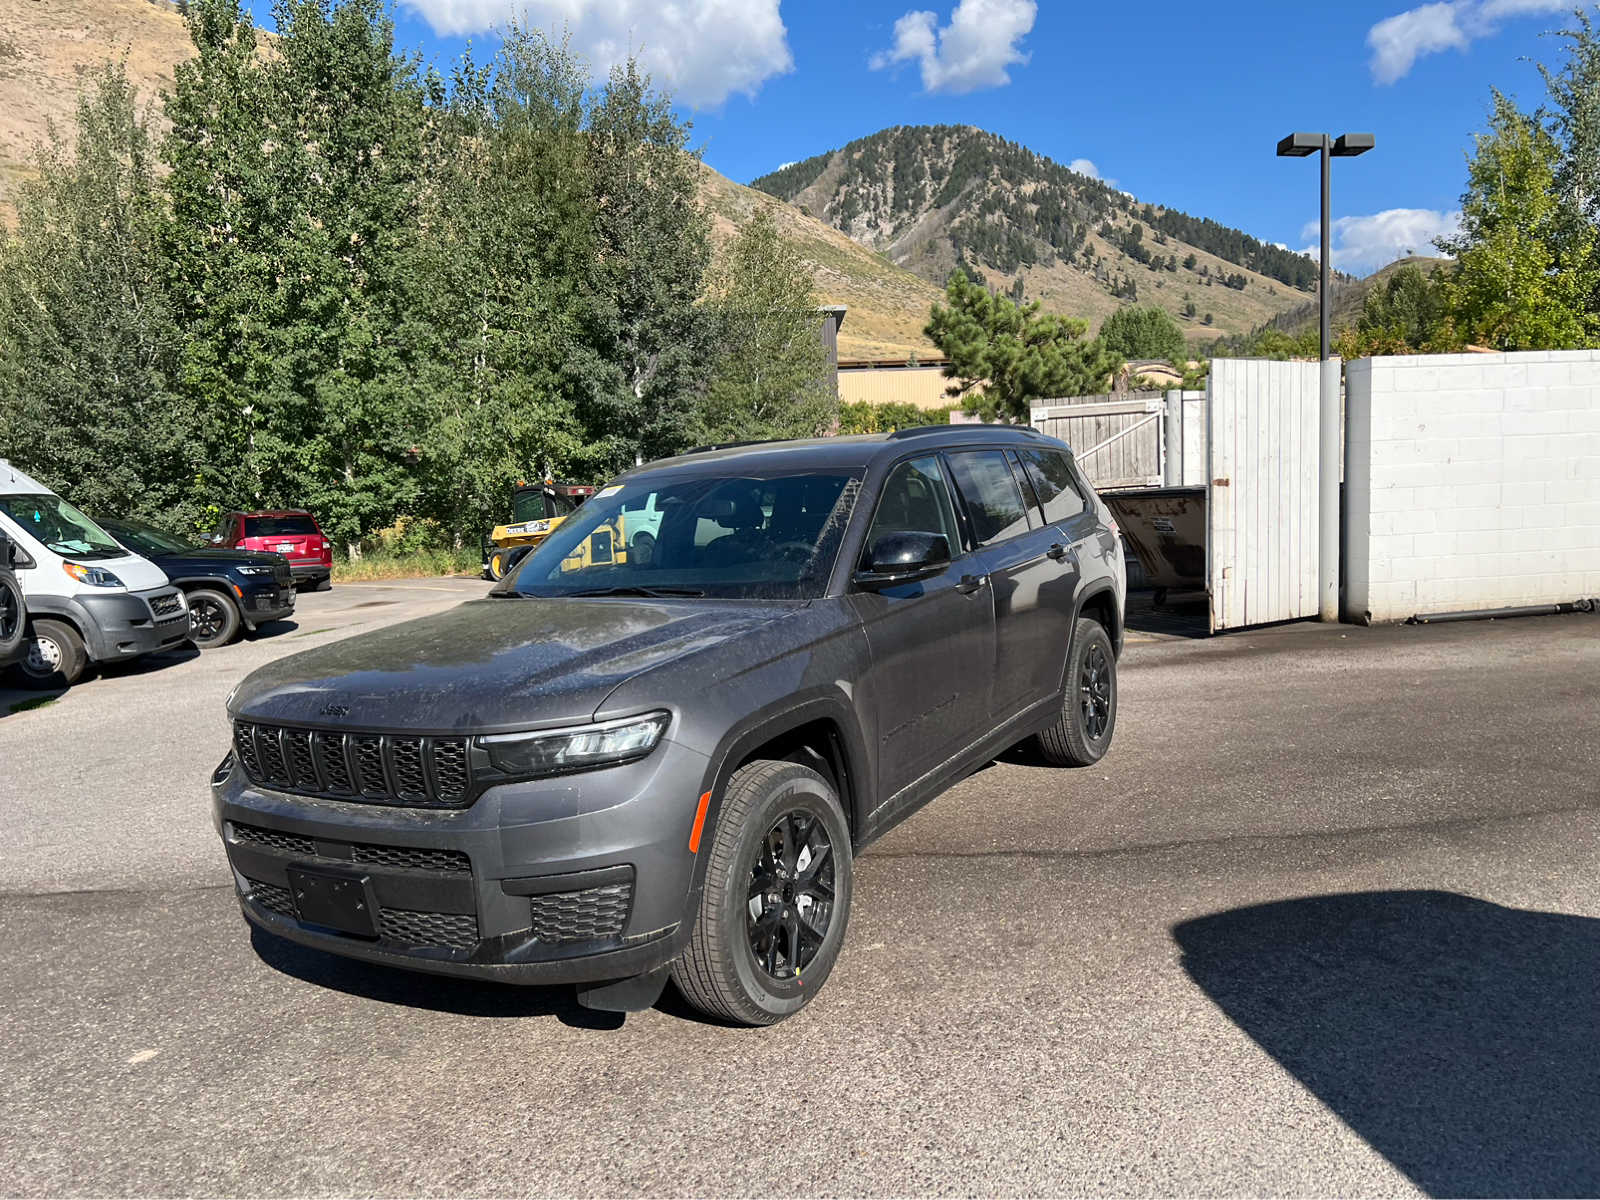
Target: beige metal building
point(894, 381)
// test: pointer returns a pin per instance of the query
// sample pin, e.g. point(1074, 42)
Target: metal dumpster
point(1166, 528)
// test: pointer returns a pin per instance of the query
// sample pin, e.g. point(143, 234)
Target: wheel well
point(818, 745)
point(1102, 607)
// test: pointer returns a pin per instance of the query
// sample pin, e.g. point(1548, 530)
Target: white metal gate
point(1261, 491)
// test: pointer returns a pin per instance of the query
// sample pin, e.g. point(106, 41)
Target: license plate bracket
point(334, 901)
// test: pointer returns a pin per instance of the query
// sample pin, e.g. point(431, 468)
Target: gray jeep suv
point(655, 749)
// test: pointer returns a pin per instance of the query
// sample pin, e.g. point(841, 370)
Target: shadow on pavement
point(1181, 615)
point(1459, 1038)
point(437, 993)
point(271, 629)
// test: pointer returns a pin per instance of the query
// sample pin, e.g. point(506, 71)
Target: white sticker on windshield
point(608, 491)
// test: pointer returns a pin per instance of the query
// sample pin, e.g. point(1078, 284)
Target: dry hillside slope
point(48, 46)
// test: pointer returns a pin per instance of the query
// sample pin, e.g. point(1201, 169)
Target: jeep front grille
point(419, 772)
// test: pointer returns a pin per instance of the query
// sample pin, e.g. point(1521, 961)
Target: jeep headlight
point(254, 570)
point(576, 747)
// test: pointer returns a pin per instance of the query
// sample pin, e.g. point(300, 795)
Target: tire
point(13, 617)
point(1082, 734)
point(721, 972)
point(214, 618)
point(497, 565)
point(325, 584)
point(55, 656)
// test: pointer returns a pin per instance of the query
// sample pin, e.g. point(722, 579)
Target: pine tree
point(1002, 355)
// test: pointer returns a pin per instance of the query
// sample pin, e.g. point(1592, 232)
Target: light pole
point(1346, 145)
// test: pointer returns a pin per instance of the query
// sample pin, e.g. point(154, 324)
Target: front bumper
point(267, 602)
point(127, 625)
point(580, 878)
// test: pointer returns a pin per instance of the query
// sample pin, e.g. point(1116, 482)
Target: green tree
point(1003, 355)
point(643, 358)
point(1574, 122)
point(1143, 332)
point(771, 379)
point(1523, 278)
point(89, 351)
point(1405, 315)
point(498, 283)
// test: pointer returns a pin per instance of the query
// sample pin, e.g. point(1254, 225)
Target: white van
point(88, 599)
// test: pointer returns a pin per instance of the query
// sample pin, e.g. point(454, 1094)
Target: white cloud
point(971, 52)
point(1398, 41)
point(703, 51)
point(1363, 244)
point(790, 163)
point(1084, 167)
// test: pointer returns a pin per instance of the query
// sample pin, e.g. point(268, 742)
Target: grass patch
point(382, 564)
point(37, 702)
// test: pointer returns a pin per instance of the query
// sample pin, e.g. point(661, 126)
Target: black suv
point(228, 590)
point(606, 773)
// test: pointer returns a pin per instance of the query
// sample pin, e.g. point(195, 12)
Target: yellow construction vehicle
point(537, 510)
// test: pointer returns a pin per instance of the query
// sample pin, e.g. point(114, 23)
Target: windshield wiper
point(635, 590)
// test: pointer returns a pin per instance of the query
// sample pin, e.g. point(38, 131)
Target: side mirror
point(903, 557)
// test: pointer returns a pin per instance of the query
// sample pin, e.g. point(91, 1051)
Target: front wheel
point(497, 565)
point(1082, 734)
point(213, 619)
point(776, 900)
point(55, 657)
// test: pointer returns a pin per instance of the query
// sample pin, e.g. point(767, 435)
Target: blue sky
point(1179, 103)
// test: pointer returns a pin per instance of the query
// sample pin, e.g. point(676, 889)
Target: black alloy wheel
point(1094, 691)
point(791, 895)
point(213, 619)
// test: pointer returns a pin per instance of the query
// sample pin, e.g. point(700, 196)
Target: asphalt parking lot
point(1326, 920)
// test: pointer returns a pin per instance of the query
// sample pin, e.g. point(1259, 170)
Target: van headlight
point(576, 747)
point(92, 576)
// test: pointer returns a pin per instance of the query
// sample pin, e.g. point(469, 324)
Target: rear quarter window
point(990, 490)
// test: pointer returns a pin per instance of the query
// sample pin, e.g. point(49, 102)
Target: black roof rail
point(920, 430)
point(709, 446)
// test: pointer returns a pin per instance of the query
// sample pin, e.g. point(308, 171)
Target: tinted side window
point(915, 499)
point(1051, 473)
point(991, 493)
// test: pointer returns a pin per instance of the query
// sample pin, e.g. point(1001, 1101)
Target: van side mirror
point(903, 557)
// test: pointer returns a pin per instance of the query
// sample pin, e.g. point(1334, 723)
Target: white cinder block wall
point(1471, 481)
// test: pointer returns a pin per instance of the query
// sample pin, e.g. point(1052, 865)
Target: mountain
point(1349, 297)
point(46, 49)
point(888, 304)
point(934, 197)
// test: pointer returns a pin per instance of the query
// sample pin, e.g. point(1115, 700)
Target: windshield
point(534, 504)
point(143, 539)
point(59, 527)
point(771, 537)
point(279, 526)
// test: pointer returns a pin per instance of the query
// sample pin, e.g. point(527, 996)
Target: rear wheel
point(497, 565)
point(55, 657)
point(213, 619)
point(776, 900)
point(13, 616)
point(1082, 734)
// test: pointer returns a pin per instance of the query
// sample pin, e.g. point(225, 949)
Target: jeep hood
point(491, 665)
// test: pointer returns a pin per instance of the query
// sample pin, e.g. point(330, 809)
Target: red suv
point(291, 532)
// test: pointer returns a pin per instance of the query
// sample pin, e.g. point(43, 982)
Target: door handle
point(971, 583)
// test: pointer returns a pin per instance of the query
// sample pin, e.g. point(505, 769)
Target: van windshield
point(751, 537)
point(58, 527)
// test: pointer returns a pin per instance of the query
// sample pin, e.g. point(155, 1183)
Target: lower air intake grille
point(456, 931)
point(416, 772)
point(595, 912)
point(415, 858)
point(272, 898)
